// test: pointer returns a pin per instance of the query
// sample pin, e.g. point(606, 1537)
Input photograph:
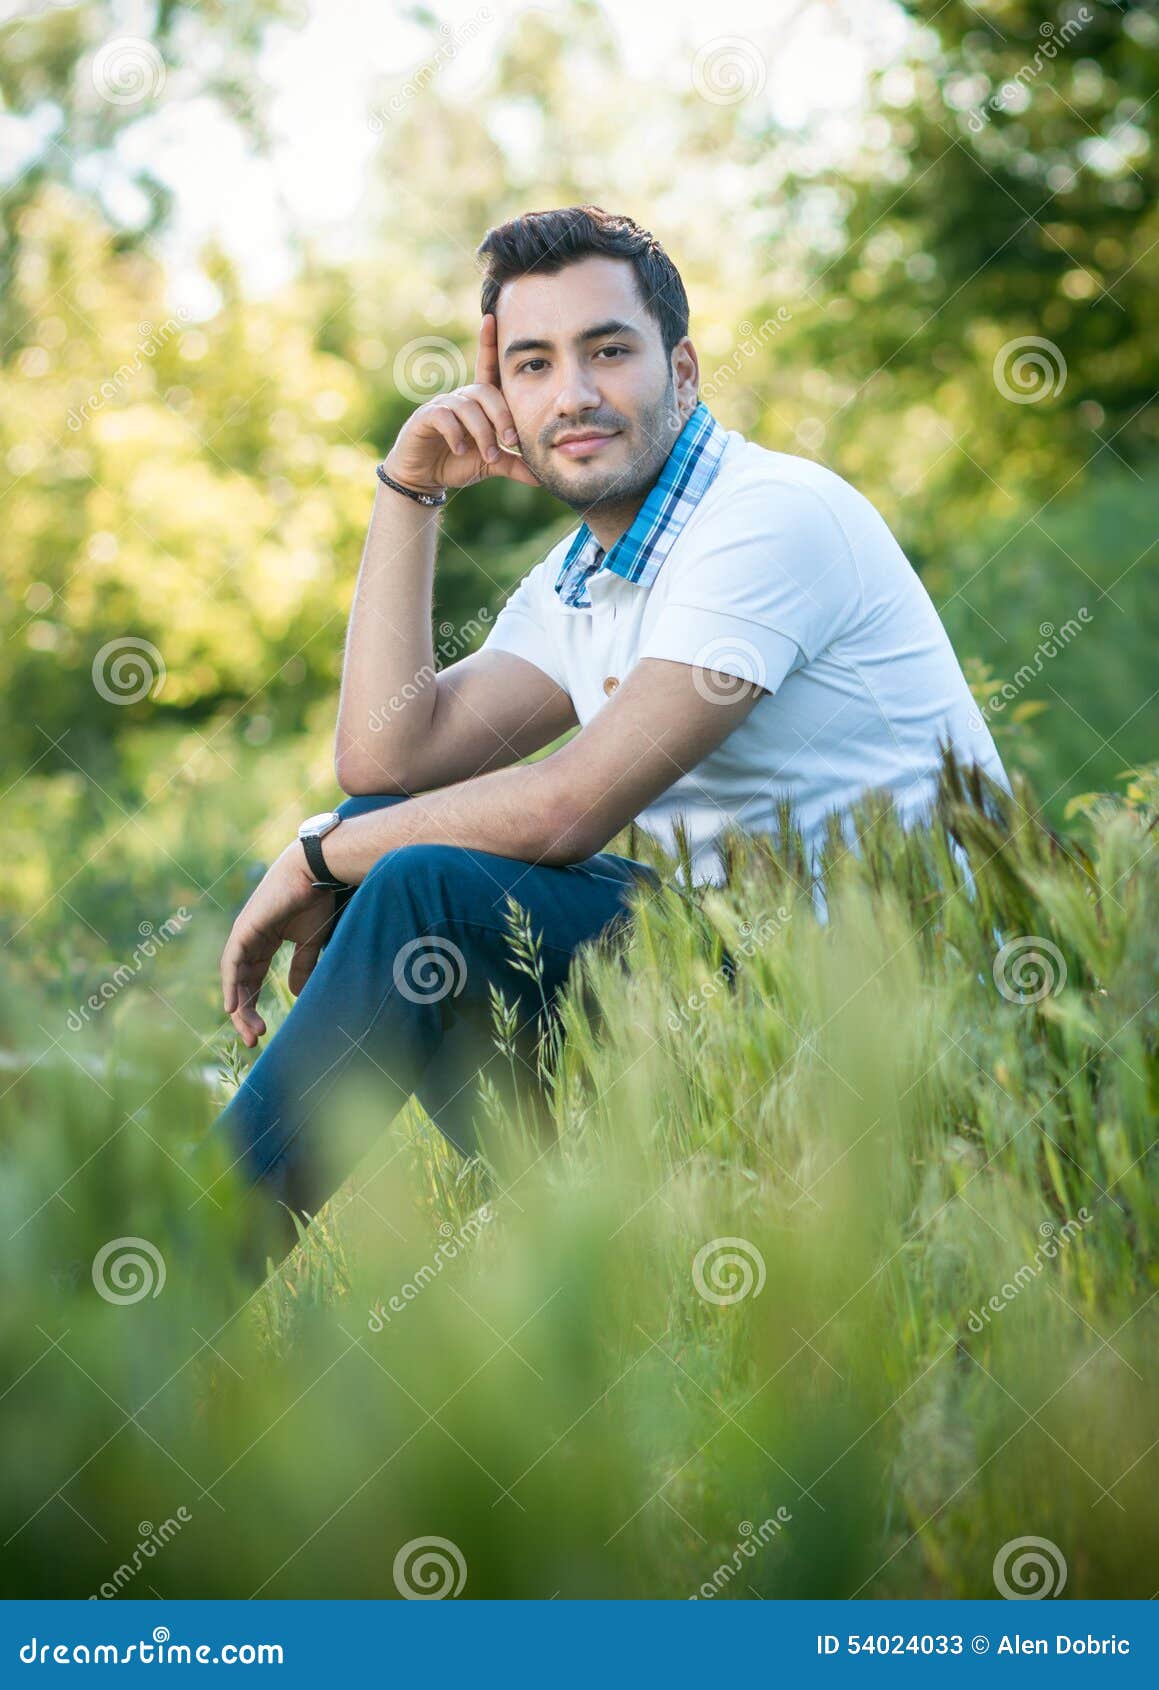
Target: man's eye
point(527, 366)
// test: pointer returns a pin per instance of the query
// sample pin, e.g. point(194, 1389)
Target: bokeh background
point(921, 244)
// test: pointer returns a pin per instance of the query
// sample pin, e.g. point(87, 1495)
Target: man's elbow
point(567, 833)
point(359, 776)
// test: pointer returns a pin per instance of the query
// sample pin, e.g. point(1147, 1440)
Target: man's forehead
point(564, 304)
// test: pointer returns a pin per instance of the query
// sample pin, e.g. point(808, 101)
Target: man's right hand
point(459, 437)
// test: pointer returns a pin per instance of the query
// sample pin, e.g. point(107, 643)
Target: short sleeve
point(765, 584)
point(521, 627)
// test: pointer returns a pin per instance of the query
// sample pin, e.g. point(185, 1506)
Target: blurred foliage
point(52, 76)
point(203, 484)
point(1005, 193)
point(921, 1135)
point(1058, 616)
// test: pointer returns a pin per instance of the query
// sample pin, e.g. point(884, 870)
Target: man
point(727, 626)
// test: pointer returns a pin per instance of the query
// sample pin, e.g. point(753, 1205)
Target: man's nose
point(577, 391)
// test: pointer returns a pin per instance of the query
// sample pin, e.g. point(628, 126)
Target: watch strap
point(312, 846)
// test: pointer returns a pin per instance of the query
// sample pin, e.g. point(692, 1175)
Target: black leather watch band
point(312, 846)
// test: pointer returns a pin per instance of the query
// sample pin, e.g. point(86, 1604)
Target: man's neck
point(608, 522)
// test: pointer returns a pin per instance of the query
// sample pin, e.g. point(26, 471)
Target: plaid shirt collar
point(641, 549)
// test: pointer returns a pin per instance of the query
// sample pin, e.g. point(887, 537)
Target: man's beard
point(656, 428)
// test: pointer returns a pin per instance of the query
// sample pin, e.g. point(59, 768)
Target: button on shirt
point(774, 569)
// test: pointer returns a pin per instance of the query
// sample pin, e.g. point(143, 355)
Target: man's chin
point(585, 489)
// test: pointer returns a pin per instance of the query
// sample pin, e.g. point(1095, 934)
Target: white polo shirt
point(783, 574)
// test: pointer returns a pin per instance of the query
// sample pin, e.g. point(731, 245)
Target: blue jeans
point(402, 989)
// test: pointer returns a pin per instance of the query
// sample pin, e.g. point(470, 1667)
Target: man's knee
point(443, 875)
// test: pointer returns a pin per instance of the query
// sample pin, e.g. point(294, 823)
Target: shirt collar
point(639, 552)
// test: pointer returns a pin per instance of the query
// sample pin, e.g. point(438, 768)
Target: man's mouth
point(581, 446)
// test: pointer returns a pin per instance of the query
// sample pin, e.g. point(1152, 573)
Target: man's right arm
point(402, 728)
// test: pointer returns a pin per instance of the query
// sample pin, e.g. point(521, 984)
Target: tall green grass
point(839, 1279)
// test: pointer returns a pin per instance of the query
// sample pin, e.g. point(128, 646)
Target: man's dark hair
point(546, 241)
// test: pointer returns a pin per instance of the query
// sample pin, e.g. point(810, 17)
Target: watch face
point(320, 824)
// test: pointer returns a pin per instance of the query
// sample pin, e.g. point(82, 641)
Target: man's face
point(580, 355)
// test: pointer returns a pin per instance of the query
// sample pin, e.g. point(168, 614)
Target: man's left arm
point(665, 717)
point(663, 720)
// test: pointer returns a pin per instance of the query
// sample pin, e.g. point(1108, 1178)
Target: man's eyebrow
point(597, 332)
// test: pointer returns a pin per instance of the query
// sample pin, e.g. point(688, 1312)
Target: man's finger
point(243, 969)
point(515, 469)
point(245, 1016)
point(302, 964)
point(487, 356)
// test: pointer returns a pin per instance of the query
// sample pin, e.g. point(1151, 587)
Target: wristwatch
point(312, 831)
